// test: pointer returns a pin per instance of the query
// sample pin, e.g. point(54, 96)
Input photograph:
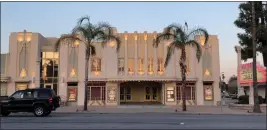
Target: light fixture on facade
point(76, 43)
point(125, 37)
point(141, 72)
point(20, 38)
point(145, 37)
point(72, 73)
point(135, 37)
point(131, 72)
point(23, 73)
point(112, 44)
point(28, 37)
point(202, 40)
point(207, 73)
point(96, 73)
point(160, 72)
point(150, 72)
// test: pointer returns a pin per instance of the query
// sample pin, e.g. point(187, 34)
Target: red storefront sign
point(245, 75)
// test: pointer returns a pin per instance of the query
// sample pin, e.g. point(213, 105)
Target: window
point(121, 65)
point(44, 93)
point(141, 66)
point(160, 66)
point(49, 67)
point(131, 66)
point(28, 94)
point(96, 65)
point(150, 66)
point(18, 95)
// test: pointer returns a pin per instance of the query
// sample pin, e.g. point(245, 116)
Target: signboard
point(245, 74)
point(72, 94)
point(208, 93)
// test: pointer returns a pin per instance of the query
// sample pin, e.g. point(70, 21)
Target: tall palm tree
point(181, 37)
point(89, 33)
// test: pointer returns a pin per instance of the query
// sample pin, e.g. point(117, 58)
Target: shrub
point(244, 99)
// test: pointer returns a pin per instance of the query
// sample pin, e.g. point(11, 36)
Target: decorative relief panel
point(23, 40)
point(207, 61)
point(73, 60)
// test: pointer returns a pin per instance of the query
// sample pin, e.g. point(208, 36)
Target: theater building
point(133, 75)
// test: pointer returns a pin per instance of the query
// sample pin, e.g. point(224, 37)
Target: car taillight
point(50, 100)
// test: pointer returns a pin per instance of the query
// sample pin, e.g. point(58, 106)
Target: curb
point(178, 113)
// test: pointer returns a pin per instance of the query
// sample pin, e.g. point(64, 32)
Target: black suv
point(40, 101)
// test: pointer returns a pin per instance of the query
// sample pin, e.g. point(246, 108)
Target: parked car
point(40, 101)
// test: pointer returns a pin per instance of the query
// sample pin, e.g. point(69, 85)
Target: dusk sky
point(51, 19)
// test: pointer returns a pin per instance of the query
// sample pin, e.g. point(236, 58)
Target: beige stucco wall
point(109, 66)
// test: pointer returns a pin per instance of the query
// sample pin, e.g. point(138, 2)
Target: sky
point(52, 19)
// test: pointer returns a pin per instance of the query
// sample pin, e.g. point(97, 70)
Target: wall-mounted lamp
point(135, 37)
point(112, 44)
point(76, 43)
point(145, 36)
point(125, 37)
point(96, 73)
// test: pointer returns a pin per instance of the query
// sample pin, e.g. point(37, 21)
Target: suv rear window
point(44, 93)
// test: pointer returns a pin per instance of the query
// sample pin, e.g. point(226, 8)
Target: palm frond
point(80, 30)
point(198, 48)
point(80, 21)
point(162, 37)
point(198, 32)
point(177, 29)
point(66, 39)
point(170, 51)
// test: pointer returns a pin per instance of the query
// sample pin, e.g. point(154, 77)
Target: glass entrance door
point(151, 93)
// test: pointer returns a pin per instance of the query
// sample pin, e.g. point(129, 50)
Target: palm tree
point(181, 38)
point(88, 33)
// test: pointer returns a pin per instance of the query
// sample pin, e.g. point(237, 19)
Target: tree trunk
point(256, 108)
point(265, 85)
point(183, 74)
point(86, 83)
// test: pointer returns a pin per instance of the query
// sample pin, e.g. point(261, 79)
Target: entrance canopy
point(245, 74)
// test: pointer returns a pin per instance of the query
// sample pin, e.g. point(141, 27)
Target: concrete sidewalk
point(157, 109)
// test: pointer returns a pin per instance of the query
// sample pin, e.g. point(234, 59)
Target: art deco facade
point(134, 75)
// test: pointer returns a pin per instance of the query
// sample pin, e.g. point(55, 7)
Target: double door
point(151, 93)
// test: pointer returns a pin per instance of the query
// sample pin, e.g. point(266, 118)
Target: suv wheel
point(5, 113)
point(39, 111)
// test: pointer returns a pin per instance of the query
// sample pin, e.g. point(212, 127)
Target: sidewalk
point(157, 109)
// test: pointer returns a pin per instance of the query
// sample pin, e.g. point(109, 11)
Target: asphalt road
point(133, 121)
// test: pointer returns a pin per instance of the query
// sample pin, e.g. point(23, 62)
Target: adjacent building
point(133, 75)
point(245, 78)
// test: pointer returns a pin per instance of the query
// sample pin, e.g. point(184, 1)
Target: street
point(133, 121)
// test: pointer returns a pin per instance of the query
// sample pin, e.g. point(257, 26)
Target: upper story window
point(121, 65)
point(96, 65)
point(160, 66)
point(49, 66)
point(150, 66)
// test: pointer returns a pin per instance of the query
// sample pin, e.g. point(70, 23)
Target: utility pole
point(256, 107)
